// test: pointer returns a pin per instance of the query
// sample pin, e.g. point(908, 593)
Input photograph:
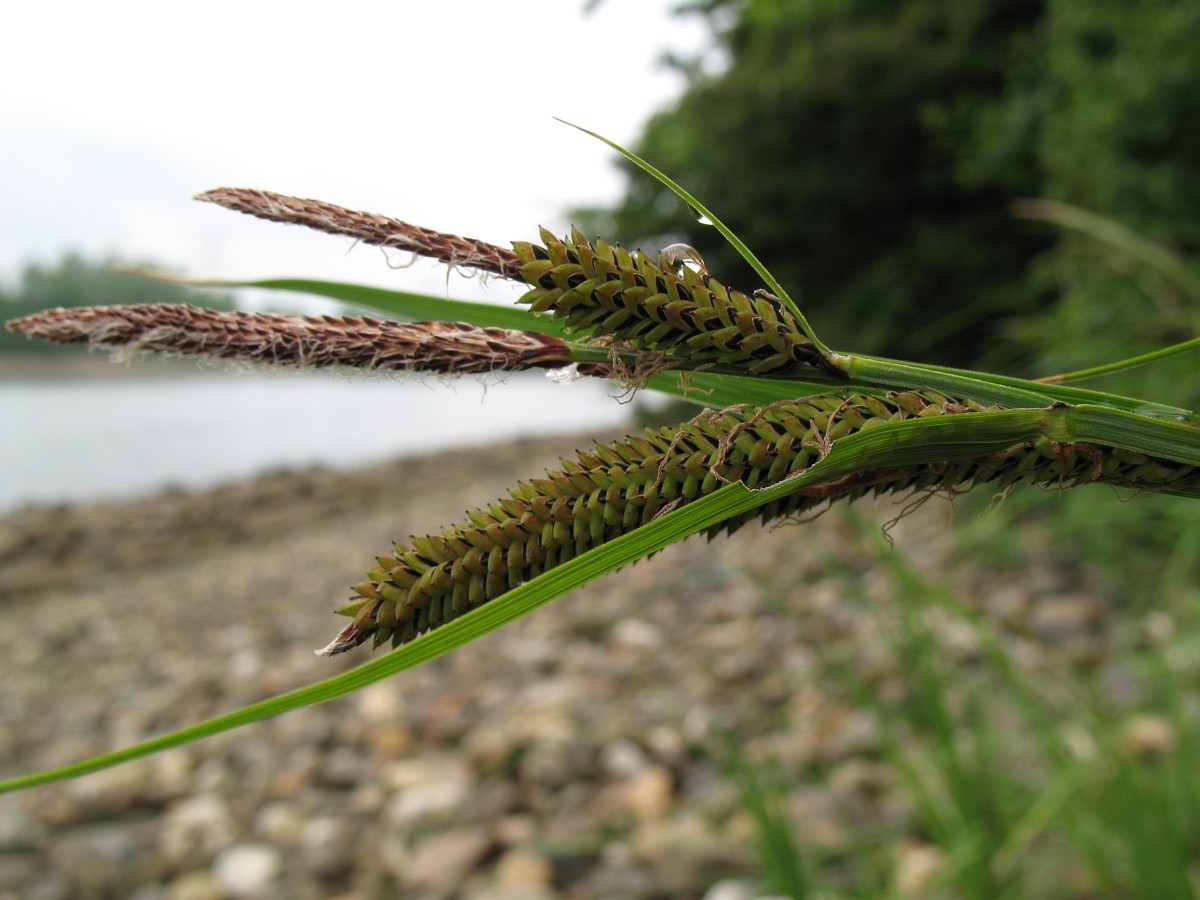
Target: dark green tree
point(869, 152)
point(1114, 90)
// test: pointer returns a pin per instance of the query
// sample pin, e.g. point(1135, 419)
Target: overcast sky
point(440, 113)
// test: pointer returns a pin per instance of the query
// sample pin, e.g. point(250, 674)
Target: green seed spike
point(603, 290)
point(612, 489)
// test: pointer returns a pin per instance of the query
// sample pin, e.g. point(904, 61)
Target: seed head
point(369, 228)
point(612, 489)
point(310, 341)
point(604, 290)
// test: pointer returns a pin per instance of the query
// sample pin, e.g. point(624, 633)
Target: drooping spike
point(611, 489)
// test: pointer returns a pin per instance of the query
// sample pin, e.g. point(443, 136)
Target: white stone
point(425, 787)
point(247, 870)
point(622, 758)
point(637, 634)
point(731, 890)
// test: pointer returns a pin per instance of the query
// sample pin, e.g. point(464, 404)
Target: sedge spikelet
point(612, 489)
point(603, 290)
point(309, 341)
point(367, 228)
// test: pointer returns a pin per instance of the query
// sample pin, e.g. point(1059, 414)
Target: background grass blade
point(401, 304)
point(1121, 365)
point(1185, 276)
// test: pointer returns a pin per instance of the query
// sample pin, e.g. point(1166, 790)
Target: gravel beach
point(576, 753)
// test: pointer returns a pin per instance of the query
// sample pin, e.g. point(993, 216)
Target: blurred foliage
point(76, 281)
point(1017, 756)
point(869, 153)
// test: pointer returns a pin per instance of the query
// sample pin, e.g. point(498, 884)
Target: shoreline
point(66, 541)
point(85, 423)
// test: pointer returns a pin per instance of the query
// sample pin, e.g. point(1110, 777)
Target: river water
point(67, 440)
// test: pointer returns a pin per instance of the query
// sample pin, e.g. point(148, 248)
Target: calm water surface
point(85, 439)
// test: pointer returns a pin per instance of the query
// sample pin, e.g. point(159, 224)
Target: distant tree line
point(76, 281)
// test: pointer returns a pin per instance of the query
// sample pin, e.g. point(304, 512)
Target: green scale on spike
point(603, 290)
point(612, 489)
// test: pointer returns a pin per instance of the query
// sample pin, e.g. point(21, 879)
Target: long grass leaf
point(402, 304)
point(896, 444)
point(516, 603)
point(1123, 365)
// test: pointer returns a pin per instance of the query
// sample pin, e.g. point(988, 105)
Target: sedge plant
point(788, 423)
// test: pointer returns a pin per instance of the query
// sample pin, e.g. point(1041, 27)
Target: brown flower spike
point(310, 341)
point(369, 228)
point(599, 290)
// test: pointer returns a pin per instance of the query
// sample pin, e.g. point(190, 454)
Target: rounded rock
point(247, 870)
